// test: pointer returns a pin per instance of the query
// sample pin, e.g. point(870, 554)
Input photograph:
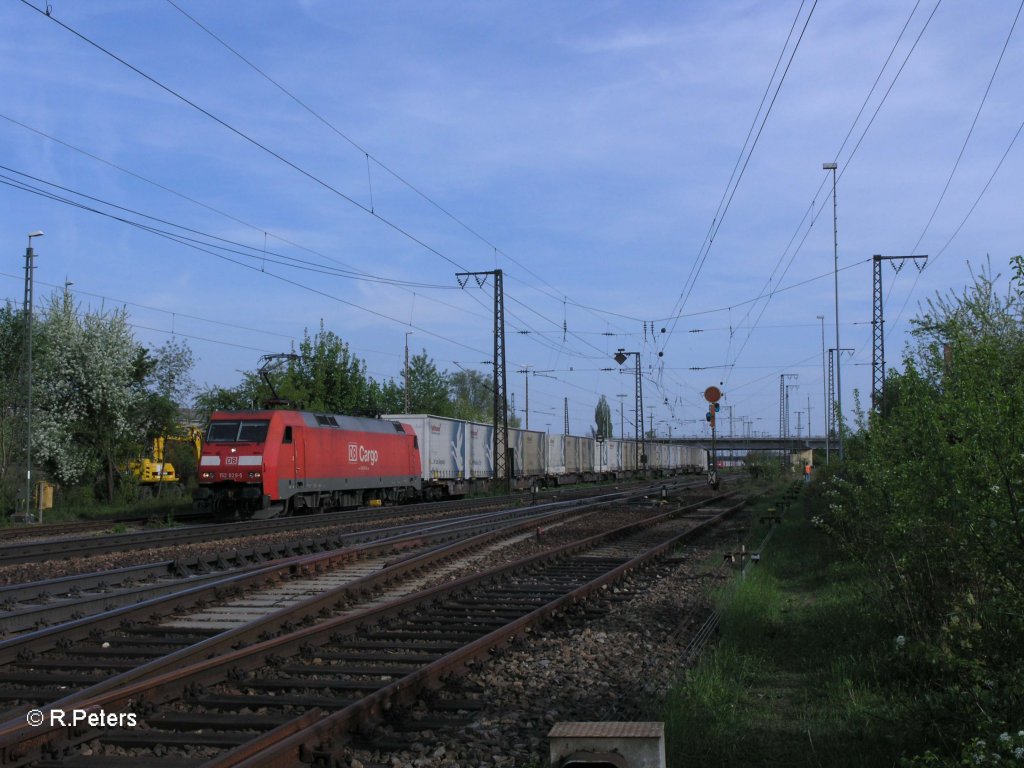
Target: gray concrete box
point(624, 745)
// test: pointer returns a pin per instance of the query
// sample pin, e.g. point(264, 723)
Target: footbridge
point(792, 444)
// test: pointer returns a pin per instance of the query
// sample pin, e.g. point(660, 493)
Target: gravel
point(613, 658)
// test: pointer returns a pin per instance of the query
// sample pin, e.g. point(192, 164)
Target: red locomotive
point(266, 463)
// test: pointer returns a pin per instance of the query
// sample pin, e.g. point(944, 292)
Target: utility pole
point(835, 258)
point(407, 371)
point(622, 416)
point(788, 409)
point(784, 411)
point(824, 390)
point(566, 407)
point(834, 414)
point(502, 475)
point(526, 370)
point(730, 434)
point(878, 321)
point(29, 287)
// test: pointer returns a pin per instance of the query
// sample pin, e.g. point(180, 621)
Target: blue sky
point(582, 148)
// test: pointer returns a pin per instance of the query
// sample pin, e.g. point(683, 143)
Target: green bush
point(931, 501)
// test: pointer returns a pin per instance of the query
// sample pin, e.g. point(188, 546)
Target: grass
point(798, 675)
point(83, 506)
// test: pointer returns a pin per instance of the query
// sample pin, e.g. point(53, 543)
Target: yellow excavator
point(155, 472)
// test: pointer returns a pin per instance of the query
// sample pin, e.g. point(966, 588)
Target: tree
point(327, 376)
point(12, 399)
point(472, 396)
point(87, 388)
point(429, 388)
point(931, 500)
point(603, 419)
point(170, 372)
point(241, 398)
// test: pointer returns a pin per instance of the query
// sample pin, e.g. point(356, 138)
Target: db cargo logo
point(358, 454)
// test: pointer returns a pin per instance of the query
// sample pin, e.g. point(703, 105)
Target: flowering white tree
point(12, 402)
point(87, 388)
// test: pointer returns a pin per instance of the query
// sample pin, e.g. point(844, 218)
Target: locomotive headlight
point(206, 475)
point(255, 475)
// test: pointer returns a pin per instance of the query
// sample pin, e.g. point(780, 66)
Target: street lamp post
point(835, 258)
point(29, 266)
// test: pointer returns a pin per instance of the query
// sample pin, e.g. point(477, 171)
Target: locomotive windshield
point(237, 431)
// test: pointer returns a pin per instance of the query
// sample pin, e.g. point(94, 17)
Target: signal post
point(713, 395)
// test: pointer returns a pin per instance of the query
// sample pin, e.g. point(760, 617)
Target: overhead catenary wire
point(203, 248)
point(719, 218)
point(242, 134)
point(246, 137)
point(815, 213)
point(952, 173)
point(236, 247)
point(542, 331)
point(366, 153)
point(369, 157)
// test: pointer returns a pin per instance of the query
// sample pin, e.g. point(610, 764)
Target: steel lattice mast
point(502, 475)
point(878, 321)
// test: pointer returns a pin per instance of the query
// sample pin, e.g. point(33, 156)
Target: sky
point(646, 175)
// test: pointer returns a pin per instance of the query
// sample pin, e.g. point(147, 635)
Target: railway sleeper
point(198, 721)
point(457, 638)
point(37, 694)
point(431, 644)
point(150, 737)
point(73, 679)
point(312, 683)
point(335, 669)
point(78, 664)
point(236, 701)
point(129, 761)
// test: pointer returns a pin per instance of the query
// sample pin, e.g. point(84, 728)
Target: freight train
point(267, 463)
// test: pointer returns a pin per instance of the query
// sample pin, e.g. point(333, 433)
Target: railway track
point(89, 546)
point(279, 699)
point(218, 604)
point(38, 604)
point(20, 532)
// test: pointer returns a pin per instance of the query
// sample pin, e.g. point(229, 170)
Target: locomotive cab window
point(253, 431)
point(237, 431)
point(287, 435)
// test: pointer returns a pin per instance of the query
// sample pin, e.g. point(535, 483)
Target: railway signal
point(713, 394)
